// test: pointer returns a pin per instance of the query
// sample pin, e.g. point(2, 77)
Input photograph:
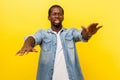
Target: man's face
point(56, 16)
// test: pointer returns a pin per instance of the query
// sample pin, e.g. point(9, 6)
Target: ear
point(63, 17)
point(49, 18)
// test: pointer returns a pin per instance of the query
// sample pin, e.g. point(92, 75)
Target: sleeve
point(78, 36)
point(37, 36)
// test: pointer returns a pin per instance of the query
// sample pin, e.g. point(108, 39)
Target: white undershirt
point(60, 70)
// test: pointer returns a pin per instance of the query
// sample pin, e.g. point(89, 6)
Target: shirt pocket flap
point(46, 40)
point(46, 44)
point(69, 38)
point(69, 41)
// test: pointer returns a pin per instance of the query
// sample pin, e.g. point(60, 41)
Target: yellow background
point(99, 58)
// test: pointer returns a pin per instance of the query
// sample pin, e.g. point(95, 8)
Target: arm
point(27, 47)
point(91, 30)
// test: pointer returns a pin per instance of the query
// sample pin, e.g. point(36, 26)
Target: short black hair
point(49, 11)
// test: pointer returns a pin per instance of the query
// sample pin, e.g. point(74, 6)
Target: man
point(58, 58)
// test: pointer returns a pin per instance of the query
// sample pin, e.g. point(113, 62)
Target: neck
point(56, 28)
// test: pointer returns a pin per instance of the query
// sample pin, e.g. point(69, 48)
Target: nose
point(57, 15)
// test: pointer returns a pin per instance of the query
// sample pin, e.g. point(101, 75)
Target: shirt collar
point(51, 31)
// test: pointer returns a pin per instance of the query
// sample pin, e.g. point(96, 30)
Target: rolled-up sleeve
point(37, 36)
point(78, 36)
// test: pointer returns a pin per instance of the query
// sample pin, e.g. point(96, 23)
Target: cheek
point(51, 17)
point(62, 17)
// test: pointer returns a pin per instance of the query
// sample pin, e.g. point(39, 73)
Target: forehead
point(56, 9)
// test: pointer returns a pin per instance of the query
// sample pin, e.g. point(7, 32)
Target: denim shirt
point(47, 40)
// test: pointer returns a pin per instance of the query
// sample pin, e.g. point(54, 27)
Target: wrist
point(86, 36)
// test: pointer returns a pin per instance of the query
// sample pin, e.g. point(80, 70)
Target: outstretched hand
point(26, 50)
point(91, 29)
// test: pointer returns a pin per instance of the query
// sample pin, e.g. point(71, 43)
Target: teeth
point(57, 21)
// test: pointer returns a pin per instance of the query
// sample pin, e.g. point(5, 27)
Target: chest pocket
point(69, 41)
point(46, 44)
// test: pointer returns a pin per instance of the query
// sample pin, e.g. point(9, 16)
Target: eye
point(54, 14)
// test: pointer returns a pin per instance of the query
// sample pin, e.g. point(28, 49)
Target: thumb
point(84, 29)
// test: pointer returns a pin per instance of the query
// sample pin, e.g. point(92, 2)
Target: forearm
point(30, 41)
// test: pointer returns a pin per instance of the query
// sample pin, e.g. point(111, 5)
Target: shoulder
point(41, 31)
point(71, 30)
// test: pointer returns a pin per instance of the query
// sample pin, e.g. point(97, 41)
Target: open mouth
point(57, 21)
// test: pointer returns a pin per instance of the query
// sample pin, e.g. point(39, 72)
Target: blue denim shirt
point(48, 42)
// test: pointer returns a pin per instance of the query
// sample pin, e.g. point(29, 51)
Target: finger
point(99, 27)
point(27, 52)
point(84, 29)
point(93, 25)
point(17, 52)
point(34, 50)
point(22, 52)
